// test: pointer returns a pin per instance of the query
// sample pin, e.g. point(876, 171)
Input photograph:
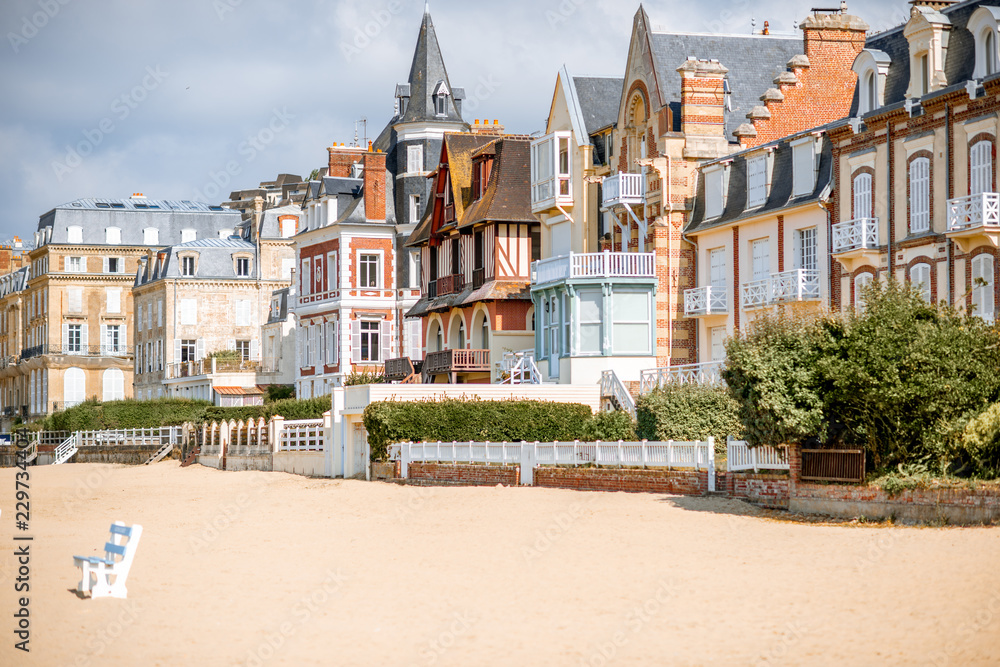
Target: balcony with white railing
point(797, 285)
point(551, 172)
point(858, 234)
point(856, 243)
point(624, 188)
point(756, 293)
point(577, 265)
point(785, 287)
point(974, 220)
point(707, 300)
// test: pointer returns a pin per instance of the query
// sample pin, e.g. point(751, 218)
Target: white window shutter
point(385, 338)
point(104, 339)
point(159, 313)
point(138, 318)
point(299, 332)
point(414, 343)
point(199, 349)
point(356, 342)
point(123, 338)
point(796, 249)
point(65, 337)
point(84, 335)
point(105, 270)
point(254, 349)
point(335, 343)
point(231, 344)
point(177, 351)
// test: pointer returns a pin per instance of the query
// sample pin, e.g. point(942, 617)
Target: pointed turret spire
point(429, 95)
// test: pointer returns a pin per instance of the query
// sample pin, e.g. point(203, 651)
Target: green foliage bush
point(388, 422)
point(688, 412)
point(901, 380)
point(289, 408)
point(981, 441)
point(94, 415)
point(616, 425)
point(363, 377)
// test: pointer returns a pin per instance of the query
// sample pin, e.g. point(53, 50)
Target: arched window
point(983, 296)
point(981, 167)
point(863, 196)
point(74, 387)
point(920, 278)
point(114, 385)
point(920, 195)
point(989, 52)
point(872, 99)
point(484, 336)
point(461, 336)
point(861, 283)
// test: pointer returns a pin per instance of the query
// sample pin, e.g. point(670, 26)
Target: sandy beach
point(269, 568)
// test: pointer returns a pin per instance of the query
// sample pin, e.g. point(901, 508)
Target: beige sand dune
point(270, 568)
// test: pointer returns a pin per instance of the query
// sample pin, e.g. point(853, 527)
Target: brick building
point(915, 165)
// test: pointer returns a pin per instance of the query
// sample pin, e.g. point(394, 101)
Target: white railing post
point(274, 432)
point(711, 464)
point(753, 459)
point(404, 459)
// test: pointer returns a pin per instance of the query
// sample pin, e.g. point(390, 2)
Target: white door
point(761, 253)
point(718, 343)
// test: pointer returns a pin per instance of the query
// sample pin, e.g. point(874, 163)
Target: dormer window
point(803, 166)
point(871, 66)
point(983, 26)
point(756, 181)
point(925, 74)
point(715, 190)
point(441, 94)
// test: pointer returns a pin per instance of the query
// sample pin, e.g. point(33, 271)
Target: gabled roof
point(507, 196)
point(753, 62)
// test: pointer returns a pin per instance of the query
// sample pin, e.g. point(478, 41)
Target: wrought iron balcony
point(624, 188)
point(594, 265)
point(858, 234)
point(77, 350)
point(707, 300)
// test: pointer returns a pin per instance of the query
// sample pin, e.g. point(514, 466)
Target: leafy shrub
point(900, 379)
point(277, 392)
point(389, 422)
point(363, 377)
point(981, 441)
point(616, 425)
point(94, 415)
point(688, 412)
point(289, 408)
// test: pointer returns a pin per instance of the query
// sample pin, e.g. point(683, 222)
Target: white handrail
point(612, 387)
point(709, 373)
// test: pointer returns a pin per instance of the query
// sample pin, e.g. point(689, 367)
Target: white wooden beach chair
point(115, 564)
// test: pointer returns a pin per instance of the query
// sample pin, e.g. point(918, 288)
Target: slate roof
point(959, 61)
point(427, 72)
point(282, 313)
point(753, 62)
point(215, 261)
point(269, 225)
point(12, 283)
point(599, 98)
point(780, 196)
point(132, 216)
point(350, 194)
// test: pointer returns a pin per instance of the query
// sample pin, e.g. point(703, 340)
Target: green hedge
point(94, 415)
point(289, 408)
point(388, 422)
point(688, 412)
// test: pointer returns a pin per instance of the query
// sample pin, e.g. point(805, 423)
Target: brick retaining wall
point(682, 482)
point(472, 475)
point(980, 504)
point(764, 489)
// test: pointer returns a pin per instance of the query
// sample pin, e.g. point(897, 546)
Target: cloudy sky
point(190, 99)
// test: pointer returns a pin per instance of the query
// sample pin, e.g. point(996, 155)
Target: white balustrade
point(857, 234)
point(624, 188)
point(980, 210)
point(605, 264)
point(302, 435)
point(756, 293)
point(707, 300)
point(796, 285)
point(707, 373)
point(740, 456)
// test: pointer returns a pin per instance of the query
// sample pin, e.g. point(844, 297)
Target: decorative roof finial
point(427, 8)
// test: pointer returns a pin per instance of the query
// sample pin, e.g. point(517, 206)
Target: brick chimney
point(374, 189)
point(833, 41)
point(496, 129)
point(341, 159)
point(703, 100)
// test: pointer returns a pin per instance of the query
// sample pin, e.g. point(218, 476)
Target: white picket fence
point(669, 454)
point(302, 435)
point(130, 436)
point(740, 456)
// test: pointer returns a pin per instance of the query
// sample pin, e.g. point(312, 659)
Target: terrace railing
point(707, 300)
point(795, 285)
point(605, 264)
point(857, 234)
point(706, 373)
point(980, 210)
point(624, 188)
